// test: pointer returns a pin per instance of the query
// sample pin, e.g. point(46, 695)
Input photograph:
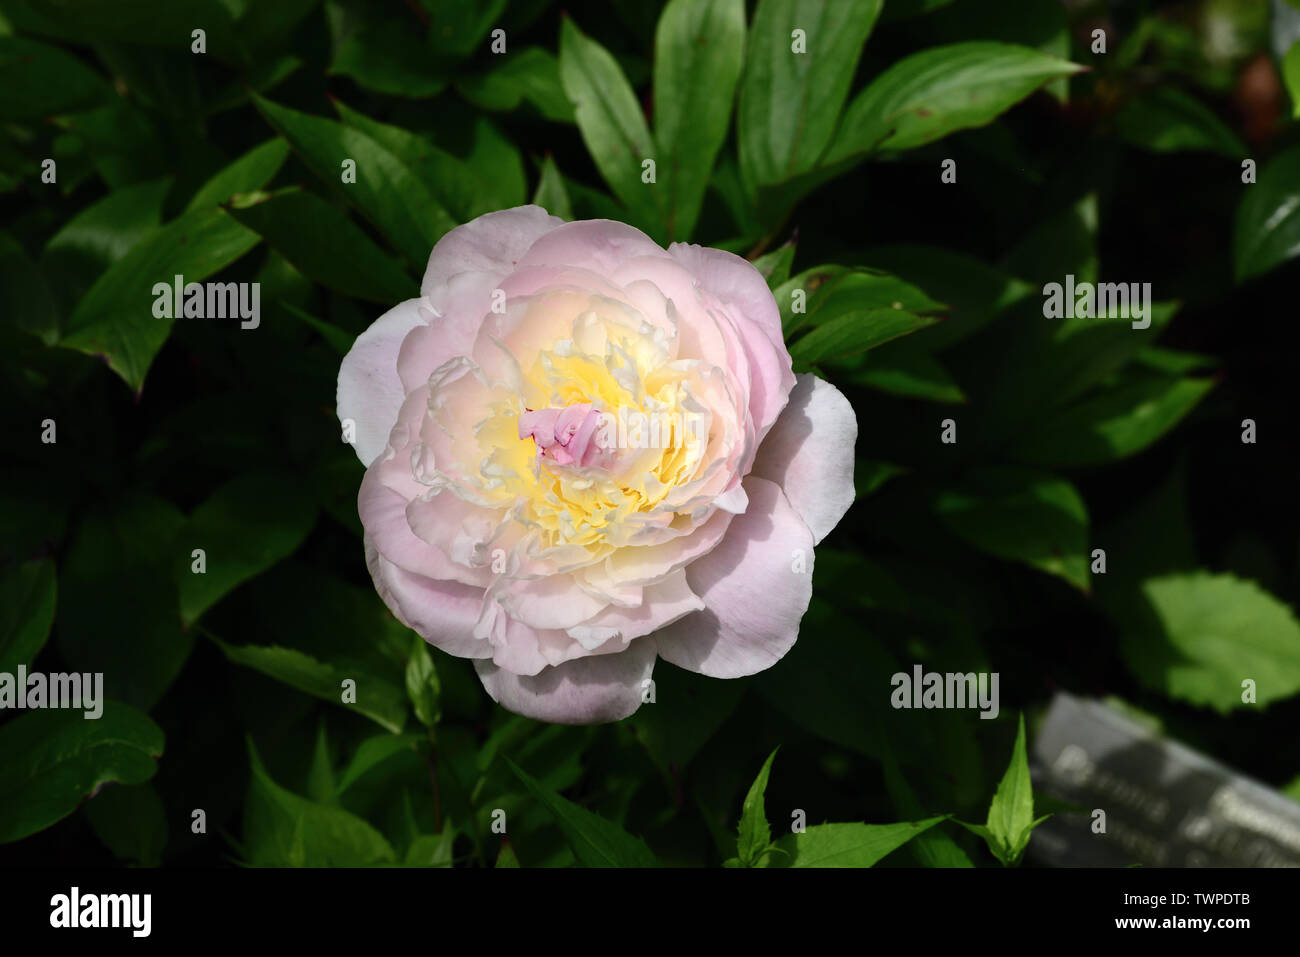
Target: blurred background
point(1166, 154)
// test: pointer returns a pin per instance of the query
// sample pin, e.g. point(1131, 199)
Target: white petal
point(809, 453)
point(588, 690)
point(370, 392)
point(492, 243)
point(756, 585)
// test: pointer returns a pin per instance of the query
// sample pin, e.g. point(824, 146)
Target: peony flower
point(584, 452)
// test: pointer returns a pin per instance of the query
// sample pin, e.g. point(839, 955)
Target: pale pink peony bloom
point(512, 517)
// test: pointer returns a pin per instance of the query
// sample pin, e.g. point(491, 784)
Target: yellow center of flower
point(605, 426)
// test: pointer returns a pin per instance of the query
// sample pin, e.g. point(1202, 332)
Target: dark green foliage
point(908, 183)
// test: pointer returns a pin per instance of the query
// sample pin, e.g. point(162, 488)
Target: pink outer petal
point(369, 390)
point(596, 244)
point(456, 311)
point(442, 613)
point(588, 690)
point(735, 281)
point(809, 453)
point(756, 585)
point(383, 514)
point(492, 243)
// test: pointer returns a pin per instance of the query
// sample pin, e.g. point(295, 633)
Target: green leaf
point(592, 203)
point(51, 760)
point(320, 775)
point(975, 292)
point(250, 172)
point(377, 698)
point(775, 266)
point(339, 341)
point(300, 605)
point(831, 291)
point(25, 296)
point(120, 140)
point(1268, 220)
point(1011, 813)
point(1199, 636)
point(260, 23)
point(612, 124)
point(1042, 366)
point(432, 850)
point(37, 80)
point(738, 200)
point(915, 375)
point(1172, 362)
point(790, 102)
point(326, 247)
point(506, 857)
point(1291, 75)
point(933, 848)
point(1042, 26)
point(115, 318)
point(27, 602)
point(159, 23)
point(848, 655)
point(118, 600)
point(1152, 536)
point(282, 829)
point(100, 235)
point(374, 752)
point(162, 80)
point(532, 74)
point(499, 166)
point(551, 193)
point(263, 78)
point(131, 822)
point(926, 96)
point(692, 708)
point(595, 841)
point(1117, 422)
point(846, 845)
point(1063, 243)
point(385, 191)
point(835, 709)
point(869, 475)
point(1164, 119)
point(422, 685)
point(461, 187)
point(755, 835)
point(901, 9)
point(1292, 789)
point(1023, 516)
point(244, 528)
point(385, 52)
point(456, 27)
point(699, 45)
point(853, 332)
point(995, 845)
